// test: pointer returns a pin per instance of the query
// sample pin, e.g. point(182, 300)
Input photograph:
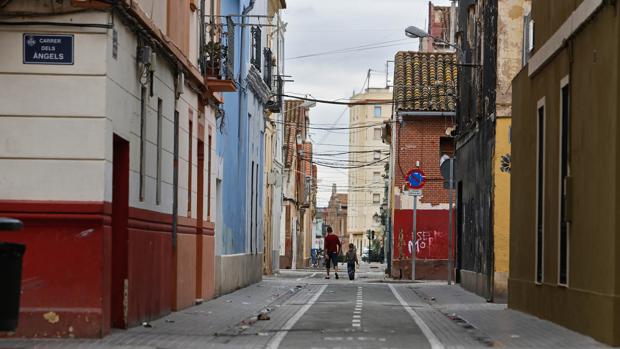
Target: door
point(459, 230)
point(120, 216)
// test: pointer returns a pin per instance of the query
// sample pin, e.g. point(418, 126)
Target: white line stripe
point(274, 343)
point(307, 277)
point(430, 336)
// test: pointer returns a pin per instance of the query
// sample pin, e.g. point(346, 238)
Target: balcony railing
point(218, 53)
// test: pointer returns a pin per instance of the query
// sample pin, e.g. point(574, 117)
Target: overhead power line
point(364, 47)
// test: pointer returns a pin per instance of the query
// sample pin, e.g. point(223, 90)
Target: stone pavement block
point(494, 324)
point(450, 333)
point(195, 327)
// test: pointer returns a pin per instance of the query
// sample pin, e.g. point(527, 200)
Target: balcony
point(218, 56)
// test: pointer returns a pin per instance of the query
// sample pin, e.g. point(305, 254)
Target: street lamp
point(417, 33)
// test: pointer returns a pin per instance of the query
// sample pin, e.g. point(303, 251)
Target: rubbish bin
point(10, 277)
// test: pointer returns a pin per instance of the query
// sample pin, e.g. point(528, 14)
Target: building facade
point(366, 183)
point(241, 145)
point(565, 241)
point(109, 129)
point(336, 215)
point(299, 187)
point(274, 138)
point(420, 135)
point(490, 37)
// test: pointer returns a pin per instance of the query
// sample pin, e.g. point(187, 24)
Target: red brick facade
point(420, 139)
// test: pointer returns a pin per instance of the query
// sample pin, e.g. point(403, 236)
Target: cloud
point(316, 26)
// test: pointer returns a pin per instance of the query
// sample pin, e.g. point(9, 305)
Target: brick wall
point(419, 140)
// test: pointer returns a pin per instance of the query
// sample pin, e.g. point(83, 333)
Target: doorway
point(200, 153)
point(120, 217)
point(459, 230)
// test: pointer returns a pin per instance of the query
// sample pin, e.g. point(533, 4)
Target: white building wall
point(52, 118)
point(362, 184)
point(57, 122)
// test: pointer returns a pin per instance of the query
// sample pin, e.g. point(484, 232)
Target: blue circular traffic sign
point(416, 179)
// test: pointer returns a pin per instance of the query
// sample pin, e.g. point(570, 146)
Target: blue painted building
point(240, 148)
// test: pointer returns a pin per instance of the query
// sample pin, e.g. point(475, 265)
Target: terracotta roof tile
point(425, 81)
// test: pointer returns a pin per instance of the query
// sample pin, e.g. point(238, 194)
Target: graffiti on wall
point(431, 240)
point(426, 241)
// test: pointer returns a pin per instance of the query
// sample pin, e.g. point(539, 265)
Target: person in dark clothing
point(351, 258)
point(332, 250)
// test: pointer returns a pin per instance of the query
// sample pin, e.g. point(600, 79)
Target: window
point(564, 181)
point(540, 182)
point(256, 48)
point(159, 150)
point(143, 106)
point(377, 111)
point(377, 155)
point(376, 198)
point(446, 146)
point(528, 37)
point(377, 133)
point(268, 71)
point(376, 176)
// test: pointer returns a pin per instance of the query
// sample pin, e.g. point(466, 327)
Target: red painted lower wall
point(67, 268)
point(431, 244)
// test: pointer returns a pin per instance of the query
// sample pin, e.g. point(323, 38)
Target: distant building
point(366, 183)
point(299, 188)
point(419, 135)
point(565, 234)
point(336, 214)
point(440, 26)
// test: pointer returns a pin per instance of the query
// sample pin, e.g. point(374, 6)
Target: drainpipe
point(175, 163)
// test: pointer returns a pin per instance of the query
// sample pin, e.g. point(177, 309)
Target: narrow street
point(306, 311)
point(177, 173)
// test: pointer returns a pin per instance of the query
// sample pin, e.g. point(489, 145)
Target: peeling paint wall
point(489, 31)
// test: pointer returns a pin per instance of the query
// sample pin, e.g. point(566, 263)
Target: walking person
point(332, 251)
point(351, 258)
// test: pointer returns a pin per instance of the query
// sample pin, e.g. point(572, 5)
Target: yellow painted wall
point(501, 197)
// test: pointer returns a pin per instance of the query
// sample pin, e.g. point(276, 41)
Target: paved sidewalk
point(211, 324)
point(457, 318)
point(465, 320)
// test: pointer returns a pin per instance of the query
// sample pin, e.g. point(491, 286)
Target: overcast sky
point(319, 26)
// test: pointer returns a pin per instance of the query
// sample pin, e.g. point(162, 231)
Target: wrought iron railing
point(218, 53)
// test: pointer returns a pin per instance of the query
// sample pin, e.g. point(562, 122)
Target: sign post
point(415, 180)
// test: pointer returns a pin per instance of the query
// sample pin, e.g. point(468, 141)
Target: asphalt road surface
point(353, 315)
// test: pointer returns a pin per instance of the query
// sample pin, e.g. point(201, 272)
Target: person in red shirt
point(332, 251)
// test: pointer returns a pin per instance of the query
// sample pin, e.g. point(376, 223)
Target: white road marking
point(274, 343)
point(430, 336)
point(356, 316)
point(357, 325)
point(307, 277)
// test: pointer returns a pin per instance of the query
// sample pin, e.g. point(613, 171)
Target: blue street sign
point(416, 179)
point(48, 49)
